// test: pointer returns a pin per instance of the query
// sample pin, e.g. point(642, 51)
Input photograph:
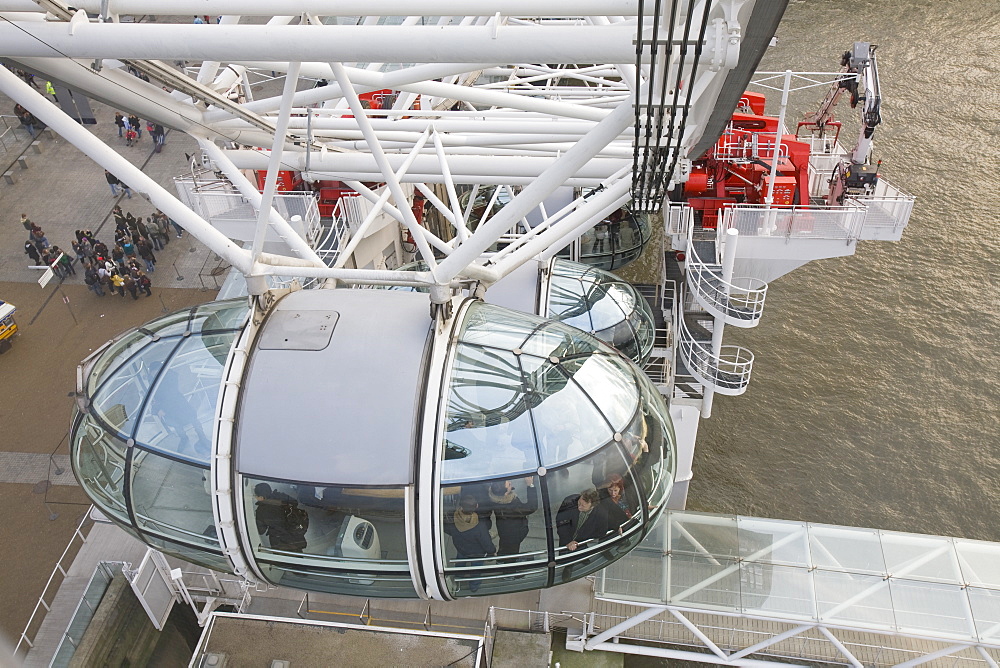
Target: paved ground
point(63, 190)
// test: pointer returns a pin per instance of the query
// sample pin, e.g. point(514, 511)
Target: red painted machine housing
point(737, 169)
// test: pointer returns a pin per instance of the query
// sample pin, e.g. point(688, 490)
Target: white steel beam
point(395, 44)
point(464, 169)
point(947, 651)
point(532, 195)
point(380, 80)
point(841, 647)
point(763, 644)
point(388, 174)
point(274, 164)
point(396, 81)
point(549, 8)
point(701, 657)
point(699, 634)
point(379, 207)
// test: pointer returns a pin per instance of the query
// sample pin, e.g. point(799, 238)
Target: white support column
point(554, 177)
point(408, 75)
point(461, 228)
point(769, 199)
point(853, 660)
point(728, 261)
point(390, 177)
point(426, 234)
point(273, 166)
point(377, 208)
point(770, 641)
point(947, 651)
point(698, 633)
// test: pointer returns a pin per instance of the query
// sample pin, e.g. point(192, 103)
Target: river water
point(875, 392)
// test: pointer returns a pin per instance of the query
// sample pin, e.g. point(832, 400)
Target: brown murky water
point(876, 387)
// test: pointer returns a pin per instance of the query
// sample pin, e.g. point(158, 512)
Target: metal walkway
point(735, 590)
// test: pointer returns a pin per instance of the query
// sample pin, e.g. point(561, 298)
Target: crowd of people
point(122, 267)
point(130, 129)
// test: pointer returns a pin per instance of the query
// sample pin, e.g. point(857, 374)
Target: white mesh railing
point(739, 302)
point(840, 222)
point(678, 218)
point(728, 373)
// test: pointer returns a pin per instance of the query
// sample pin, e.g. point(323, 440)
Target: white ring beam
point(550, 8)
point(391, 44)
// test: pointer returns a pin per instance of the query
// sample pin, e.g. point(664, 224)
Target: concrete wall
point(120, 633)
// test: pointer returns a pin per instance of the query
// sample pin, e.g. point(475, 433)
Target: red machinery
point(287, 180)
point(738, 168)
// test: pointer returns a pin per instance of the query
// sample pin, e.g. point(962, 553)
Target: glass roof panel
point(172, 324)
point(916, 556)
point(229, 314)
point(554, 339)
point(610, 383)
point(979, 562)
point(985, 604)
point(495, 327)
point(569, 425)
point(768, 589)
point(774, 541)
point(609, 306)
point(916, 594)
point(853, 599)
point(846, 549)
point(115, 355)
point(696, 579)
point(931, 607)
point(121, 395)
point(180, 413)
point(488, 430)
point(568, 303)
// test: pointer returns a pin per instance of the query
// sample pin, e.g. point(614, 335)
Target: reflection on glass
point(99, 466)
point(560, 402)
point(158, 384)
point(507, 509)
point(120, 395)
point(930, 606)
point(606, 306)
point(616, 240)
point(181, 409)
point(197, 555)
point(114, 355)
point(172, 498)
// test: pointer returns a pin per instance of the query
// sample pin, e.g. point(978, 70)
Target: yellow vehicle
point(8, 328)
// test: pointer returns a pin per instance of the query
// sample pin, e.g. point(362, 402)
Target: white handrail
point(58, 569)
point(728, 373)
point(739, 302)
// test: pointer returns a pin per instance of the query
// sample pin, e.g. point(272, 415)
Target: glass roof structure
point(614, 242)
point(882, 581)
point(599, 302)
point(591, 299)
point(371, 452)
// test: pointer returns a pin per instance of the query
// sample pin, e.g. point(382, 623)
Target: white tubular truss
point(533, 96)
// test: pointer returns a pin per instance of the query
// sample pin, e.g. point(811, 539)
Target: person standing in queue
point(470, 536)
point(581, 517)
point(511, 513)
